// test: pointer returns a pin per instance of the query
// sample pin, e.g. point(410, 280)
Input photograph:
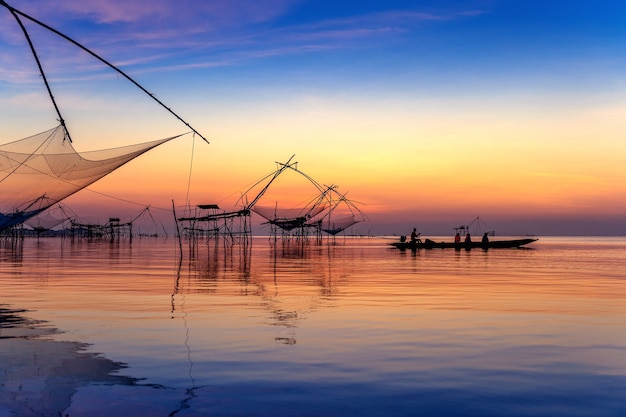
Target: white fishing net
point(41, 170)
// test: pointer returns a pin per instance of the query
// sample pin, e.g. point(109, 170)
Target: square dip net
point(41, 170)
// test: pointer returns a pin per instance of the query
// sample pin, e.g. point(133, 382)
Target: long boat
point(492, 244)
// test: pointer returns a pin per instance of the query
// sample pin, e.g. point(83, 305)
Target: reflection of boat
point(492, 244)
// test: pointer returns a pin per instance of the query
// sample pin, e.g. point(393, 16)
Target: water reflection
point(281, 278)
point(354, 328)
point(11, 250)
point(40, 376)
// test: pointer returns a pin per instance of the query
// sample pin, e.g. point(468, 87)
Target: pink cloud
point(174, 12)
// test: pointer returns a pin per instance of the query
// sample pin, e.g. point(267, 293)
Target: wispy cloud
point(30, 100)
point(162, 13)
point(168, 35)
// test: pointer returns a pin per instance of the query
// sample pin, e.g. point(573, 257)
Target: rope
point(124, 200)
point(193, 146)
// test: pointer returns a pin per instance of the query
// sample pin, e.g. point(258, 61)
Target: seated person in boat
point(415, 236)
point(468, 238)
point(485, 238)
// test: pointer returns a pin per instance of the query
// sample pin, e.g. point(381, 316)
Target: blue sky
point(376, 84)
point(453, 44)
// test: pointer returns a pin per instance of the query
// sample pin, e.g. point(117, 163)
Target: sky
point(426, 114)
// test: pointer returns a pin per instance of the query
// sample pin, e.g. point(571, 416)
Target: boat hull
point(495, 244)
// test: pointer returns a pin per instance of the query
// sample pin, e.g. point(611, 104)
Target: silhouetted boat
point(492, 244)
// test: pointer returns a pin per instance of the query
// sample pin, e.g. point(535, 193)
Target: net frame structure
point(311, 219)
point(210, 222)
point(314, 218)
point(40, 171)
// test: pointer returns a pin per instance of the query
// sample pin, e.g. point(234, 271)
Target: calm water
point(351, 329)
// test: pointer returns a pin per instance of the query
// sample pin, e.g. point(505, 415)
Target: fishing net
point(49, 219)
point(342, 213)
point(289, 218)
point(333, 225)
point(41, 170)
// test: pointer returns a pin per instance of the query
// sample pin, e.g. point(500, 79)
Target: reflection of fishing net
point(41, 170)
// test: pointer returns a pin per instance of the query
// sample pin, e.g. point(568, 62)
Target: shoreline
point(39, 375)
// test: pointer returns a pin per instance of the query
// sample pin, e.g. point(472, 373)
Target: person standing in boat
point(468, 239)
point(457, 238)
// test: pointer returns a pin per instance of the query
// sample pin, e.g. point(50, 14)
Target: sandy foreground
point(38, 375)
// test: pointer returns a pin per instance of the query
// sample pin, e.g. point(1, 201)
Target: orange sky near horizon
point(402, 161)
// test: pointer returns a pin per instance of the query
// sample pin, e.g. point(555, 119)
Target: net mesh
point(41, 170)
point(48, 219)
point(289, 218)
point(334, 226)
